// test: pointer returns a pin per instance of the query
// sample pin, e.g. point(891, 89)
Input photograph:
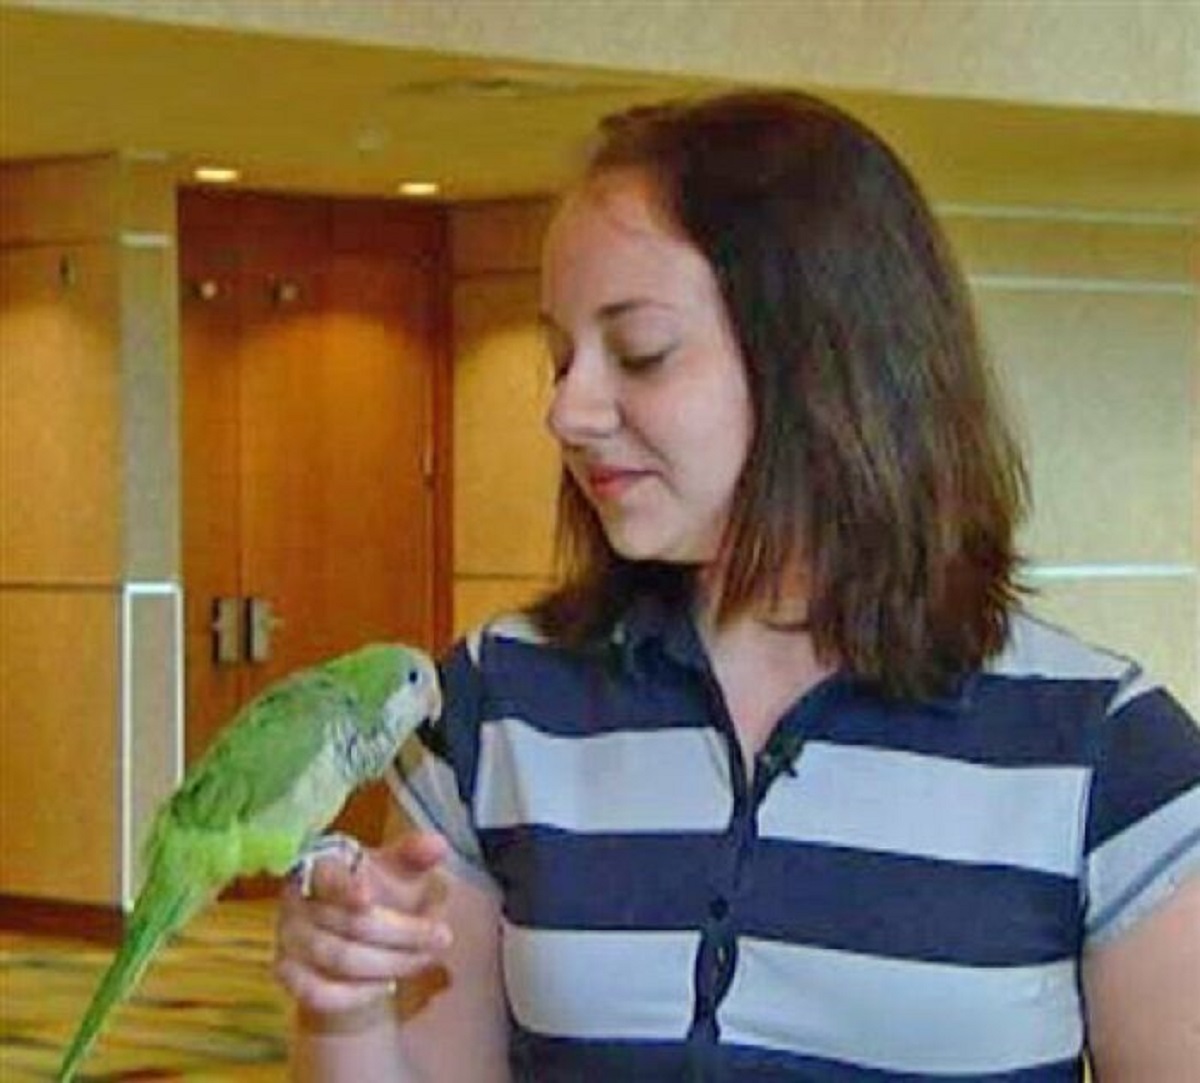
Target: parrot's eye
point(413, 676)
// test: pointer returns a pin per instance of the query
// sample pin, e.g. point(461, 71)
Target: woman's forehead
point(626, 199)
point(616, 219)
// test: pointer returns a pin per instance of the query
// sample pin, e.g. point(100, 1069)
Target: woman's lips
point(611, 482)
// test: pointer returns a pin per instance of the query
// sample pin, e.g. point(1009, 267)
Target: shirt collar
point(652, 623)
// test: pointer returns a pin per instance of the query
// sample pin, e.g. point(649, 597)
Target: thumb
point(413, 853)
point(403, 872)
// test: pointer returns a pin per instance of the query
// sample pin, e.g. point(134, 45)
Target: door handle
point(226, 627)
point(261, 623)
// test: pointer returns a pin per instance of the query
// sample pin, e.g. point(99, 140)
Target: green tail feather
point(159, 912)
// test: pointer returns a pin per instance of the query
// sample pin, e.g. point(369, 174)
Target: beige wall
point(1092, 320)
point(88, 521)
point(1092, 324)
point(505, 468)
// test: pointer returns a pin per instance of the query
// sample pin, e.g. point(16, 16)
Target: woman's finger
point(375, 943)
point(334, 880)
point(360, 929)
point(403, 875)
point(317, 993)
point(339, 959)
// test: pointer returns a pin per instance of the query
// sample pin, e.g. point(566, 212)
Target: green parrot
point(260, 796)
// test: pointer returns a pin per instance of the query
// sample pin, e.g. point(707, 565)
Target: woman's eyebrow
point(611, 311)
point(619, 308)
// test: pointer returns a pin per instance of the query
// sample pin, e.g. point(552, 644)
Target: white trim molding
point(1051, 572)
point(131, 590)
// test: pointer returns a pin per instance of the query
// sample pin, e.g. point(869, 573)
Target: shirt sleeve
point(1143, 825)
point(433, 775)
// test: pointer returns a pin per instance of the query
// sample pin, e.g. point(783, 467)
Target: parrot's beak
point(435, 702)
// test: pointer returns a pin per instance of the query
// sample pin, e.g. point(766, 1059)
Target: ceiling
point(324, 116)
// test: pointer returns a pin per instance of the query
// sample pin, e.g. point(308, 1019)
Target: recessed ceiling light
point(215, 174)
point(418, 188)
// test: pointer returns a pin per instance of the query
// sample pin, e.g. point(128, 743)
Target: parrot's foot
point(344, 847)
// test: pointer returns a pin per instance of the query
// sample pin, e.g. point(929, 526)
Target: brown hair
point(880, 459)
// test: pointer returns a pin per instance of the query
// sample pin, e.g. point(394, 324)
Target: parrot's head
point(395, 688)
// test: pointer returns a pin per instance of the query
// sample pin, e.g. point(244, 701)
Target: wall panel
point(477, 600)
point(505, 464)
point(59, 420)
point(1139, 249)
point(149, 409)
point(59, 729)
point(63, 200)
point(1101, 383)
point(1092, 325)
point(88, 518)
point(493, 237)
point(151, 725)
point(506, 467)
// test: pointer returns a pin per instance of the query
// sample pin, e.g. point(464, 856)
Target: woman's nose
point(584, 405)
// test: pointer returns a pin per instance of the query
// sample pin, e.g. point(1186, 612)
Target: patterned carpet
point(208, 1008)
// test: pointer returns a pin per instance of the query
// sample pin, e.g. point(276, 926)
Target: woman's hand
point(342, 950)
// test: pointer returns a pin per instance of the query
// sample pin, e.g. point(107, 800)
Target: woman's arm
point(454, 1020)
point(1142, 993)
point(447, 1024)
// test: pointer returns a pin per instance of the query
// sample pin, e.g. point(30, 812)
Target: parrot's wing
point(254, 763)
point(261, 755)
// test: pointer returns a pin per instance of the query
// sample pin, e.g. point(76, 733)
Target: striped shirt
point(898, 891)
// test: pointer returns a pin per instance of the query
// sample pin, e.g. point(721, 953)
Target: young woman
point(782, 784)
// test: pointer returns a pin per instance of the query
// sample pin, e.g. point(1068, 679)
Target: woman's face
point(651, 407)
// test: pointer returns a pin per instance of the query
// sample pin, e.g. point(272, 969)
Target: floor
point(208, 1008)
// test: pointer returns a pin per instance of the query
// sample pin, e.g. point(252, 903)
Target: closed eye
point(643, 361)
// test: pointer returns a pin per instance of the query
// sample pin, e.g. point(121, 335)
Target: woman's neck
point(785, 612)
point(763, 662)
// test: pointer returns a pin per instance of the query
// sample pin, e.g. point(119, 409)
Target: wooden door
point(211, 290)
point(311, 475)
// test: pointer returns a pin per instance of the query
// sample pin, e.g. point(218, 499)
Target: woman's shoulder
point(539, 632)
point(1105, 706)
point(1052, 693)
point(511, 628)
point(1039, 650)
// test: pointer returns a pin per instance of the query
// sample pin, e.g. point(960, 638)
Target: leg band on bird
point(345, 848)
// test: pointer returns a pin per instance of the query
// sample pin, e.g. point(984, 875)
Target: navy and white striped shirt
point(901, 891)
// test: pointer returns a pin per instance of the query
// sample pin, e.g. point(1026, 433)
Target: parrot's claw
point(344, 847)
